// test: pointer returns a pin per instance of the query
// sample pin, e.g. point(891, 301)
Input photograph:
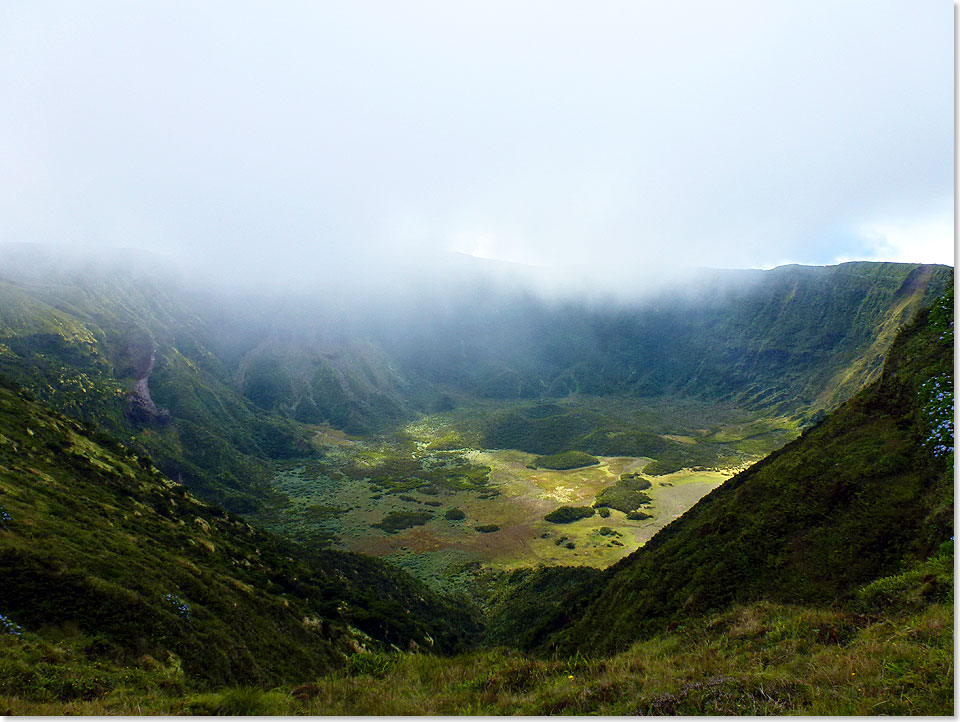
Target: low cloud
point(341, 143)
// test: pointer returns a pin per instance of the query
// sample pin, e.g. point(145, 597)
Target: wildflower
point(180, 607)
point(8, 626)
point(570, 677)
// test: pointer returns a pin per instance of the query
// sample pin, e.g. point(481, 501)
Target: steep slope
point(846, 502)
point(130, 358)
point(96, 542)
point(794, 340)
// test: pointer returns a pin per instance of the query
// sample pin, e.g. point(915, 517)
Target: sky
point(599, 139)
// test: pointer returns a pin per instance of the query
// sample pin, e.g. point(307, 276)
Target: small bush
point(567, 514)
point(397, 520)
point(487, 528)
point(566, 460)
point(454, 514)
point(373, 664)
point(626, 495)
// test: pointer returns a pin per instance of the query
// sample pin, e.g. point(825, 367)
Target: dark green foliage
point(394, 521)
point(567, 514)
point(454, 514)
point(604, 512)
point(566, 460)
point(553, 429)
point(404, 470)
point(526, 598)
point(626, 495)
point(638, 516)
point(267, 383)
point(371, 664)
point(838, 507)
point(117, 552)
point(487, 528)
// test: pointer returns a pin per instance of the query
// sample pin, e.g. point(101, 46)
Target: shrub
point(454, 514)
point(487, 528)
point(604, 512)
point(626, 495)
point(638, 515)
point(397, 520)
point(567, 514)
point(373, 664)
point(566, 460)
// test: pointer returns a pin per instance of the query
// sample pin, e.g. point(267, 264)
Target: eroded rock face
point(140, 406)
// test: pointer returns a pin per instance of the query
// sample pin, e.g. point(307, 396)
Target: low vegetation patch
point(567, 514)
point(487, 528)
point(454, 514)
point(626, 495)
point(397, 520)
point(566, 460)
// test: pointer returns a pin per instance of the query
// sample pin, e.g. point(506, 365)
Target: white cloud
point(927, 241)
point(595, 135)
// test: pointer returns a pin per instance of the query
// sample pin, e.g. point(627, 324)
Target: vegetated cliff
point(96, 542)
point(868, 487)
point(794, 339)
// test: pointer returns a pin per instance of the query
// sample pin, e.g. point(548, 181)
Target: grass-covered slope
point(845, 503)
point(103, 554)
point(888, 652)
point(133, 358)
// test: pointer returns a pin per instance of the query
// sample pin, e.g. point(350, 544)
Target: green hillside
point(848, 501)
point(103, 554)
point(795, 339)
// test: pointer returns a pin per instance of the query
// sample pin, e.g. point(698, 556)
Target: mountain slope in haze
point(847, 502)
point(215, 387)
point(100, 548)
point(795, 339)
point(159, 364)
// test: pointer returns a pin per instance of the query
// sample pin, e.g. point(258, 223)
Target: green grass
point(756, 659)
point(98, 540)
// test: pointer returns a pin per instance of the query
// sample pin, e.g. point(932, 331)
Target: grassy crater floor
point(390, 495)
point(516, 498)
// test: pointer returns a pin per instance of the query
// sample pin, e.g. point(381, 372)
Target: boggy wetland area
point(430, 498)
